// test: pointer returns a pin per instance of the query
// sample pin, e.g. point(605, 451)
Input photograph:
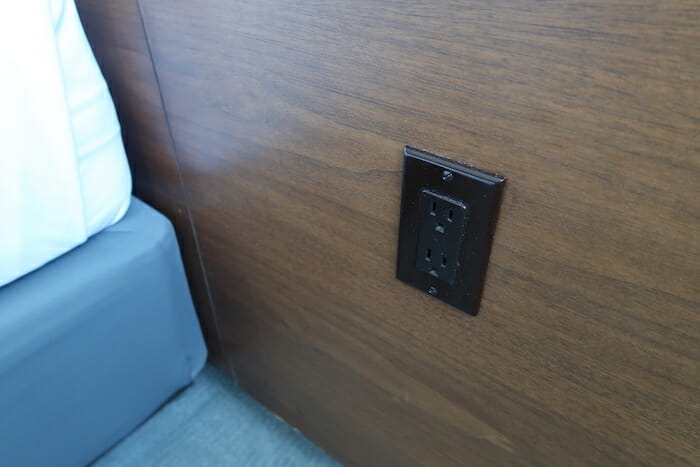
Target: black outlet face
point(440, 230)
point(448, 216)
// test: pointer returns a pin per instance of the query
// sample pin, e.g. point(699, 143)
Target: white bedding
point(63, 170)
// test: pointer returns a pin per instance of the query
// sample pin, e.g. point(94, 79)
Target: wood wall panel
point(290, 118)
point(118, 39)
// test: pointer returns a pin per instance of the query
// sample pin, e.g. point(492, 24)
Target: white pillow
point(63, 170)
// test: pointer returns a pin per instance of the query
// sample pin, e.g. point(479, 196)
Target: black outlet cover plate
point(481, 192)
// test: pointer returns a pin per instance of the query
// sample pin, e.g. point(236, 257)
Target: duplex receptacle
point(440, 230)
point(448, 216)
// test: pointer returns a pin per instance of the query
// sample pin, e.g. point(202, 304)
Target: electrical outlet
point(448, 217)
point(440, 231)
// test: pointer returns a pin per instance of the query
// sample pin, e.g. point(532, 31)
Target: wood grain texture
point(115, 31)
point(290, 118)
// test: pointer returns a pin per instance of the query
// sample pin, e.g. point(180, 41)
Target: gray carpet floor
point(213, 423)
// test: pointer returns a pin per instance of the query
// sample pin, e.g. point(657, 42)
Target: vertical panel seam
point(185, 193)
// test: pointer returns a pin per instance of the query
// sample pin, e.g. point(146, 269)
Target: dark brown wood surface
point(289, 120)
point(116, 34)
